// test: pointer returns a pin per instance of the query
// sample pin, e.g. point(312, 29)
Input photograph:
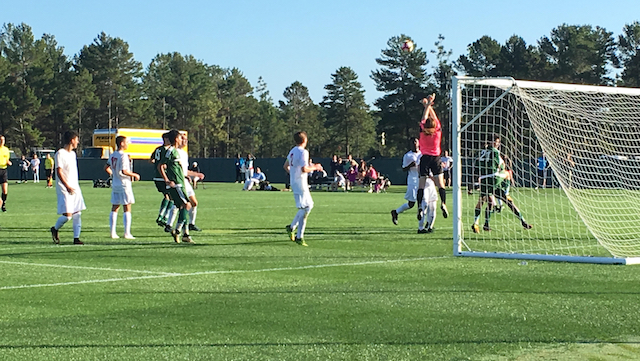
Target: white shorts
point(122, 197)
point(412, 189)
point(70, 203)
point(188, 189)
point(303, 200)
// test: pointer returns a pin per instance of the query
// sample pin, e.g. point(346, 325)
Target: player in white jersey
point(429, 205)
point(70, 201)
point(410, 164)
point(120, 169)
point(191, 194)
point(299, 167)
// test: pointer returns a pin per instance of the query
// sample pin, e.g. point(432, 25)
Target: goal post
point(562, 184)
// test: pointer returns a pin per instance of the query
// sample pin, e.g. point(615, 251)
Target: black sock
point(443, 195)
point(420, 197)
point(4, 197)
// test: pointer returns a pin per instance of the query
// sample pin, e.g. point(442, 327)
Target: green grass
point(364, 289)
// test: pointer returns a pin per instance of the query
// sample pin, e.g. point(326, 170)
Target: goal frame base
point(552, 257)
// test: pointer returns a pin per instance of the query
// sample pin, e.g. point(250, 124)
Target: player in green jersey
point(167, 203)
point(173, 176)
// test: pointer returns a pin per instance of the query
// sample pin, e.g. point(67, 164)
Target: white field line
point(85, 267)
point(166, 275)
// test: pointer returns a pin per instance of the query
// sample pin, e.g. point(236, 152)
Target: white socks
point(193, 212)
point(126, 218)
point(77, 224)
point(300, 222)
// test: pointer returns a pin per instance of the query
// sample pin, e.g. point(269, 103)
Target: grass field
point(364, 289)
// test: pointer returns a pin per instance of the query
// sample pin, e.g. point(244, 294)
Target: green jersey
point(489, 161)
point(156, 156)
point(174, 171)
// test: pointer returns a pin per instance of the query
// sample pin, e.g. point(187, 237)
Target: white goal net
point(564, 181)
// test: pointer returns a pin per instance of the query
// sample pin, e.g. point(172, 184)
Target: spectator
point(543, 166)
point(338, 181)
point(447, 163)
point(371, 176)
point(239, 169)
point(255, 179)
point(35, 168)
point(23, 164)
point(352, 177)
point(248, 166)
point(335, 164)
point(196, 175)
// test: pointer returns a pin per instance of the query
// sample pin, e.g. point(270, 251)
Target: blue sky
point(284, 40)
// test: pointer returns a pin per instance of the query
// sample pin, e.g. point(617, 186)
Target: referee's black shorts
point(3, 176)
point(430, 163)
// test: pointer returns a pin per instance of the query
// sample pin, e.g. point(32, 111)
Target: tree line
point(44, 92)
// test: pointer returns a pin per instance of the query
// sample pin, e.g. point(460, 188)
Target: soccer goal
point(569, 169)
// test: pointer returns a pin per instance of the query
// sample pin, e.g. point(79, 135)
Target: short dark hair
point(68, 136)
point(299, 137)
point(173, 135)
point(165, 135)
point(120, 139)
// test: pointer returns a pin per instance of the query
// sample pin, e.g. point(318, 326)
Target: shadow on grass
point(314, 344)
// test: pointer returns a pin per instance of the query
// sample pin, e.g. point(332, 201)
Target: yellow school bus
point(142, 142)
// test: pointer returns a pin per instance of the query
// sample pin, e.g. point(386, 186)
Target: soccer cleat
point(54, 235)
point(430, 230)
point(422, 231)
point(77, 241)
point(475, 228)
point(187, 239)
point(498, 209)
point(129, 236)
point(290, 233)
point(301, 242)
point(486, 228)
point(167, 228)
point(160, 222)
point(114, 236)
point(526, 225)
point(193, 227)
point(4, 209)
point(394, 217)
point(420, 214)
point(445, 212)
point(176, 236)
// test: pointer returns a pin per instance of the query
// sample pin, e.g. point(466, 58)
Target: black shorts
point(430, 163)
point(161, 186)
point(447, 174)
point(49, 172)
point(3, 176)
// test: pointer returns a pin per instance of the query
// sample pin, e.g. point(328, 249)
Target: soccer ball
point(407, 46)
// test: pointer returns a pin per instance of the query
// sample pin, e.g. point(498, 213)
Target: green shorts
point(178, 196)
point(161, 186)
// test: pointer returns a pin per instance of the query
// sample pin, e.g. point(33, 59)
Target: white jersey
point(413, 176)
point(411, 156)
point(68, 203)
point(298, 158)
point(430, 192)
point(119, 162)
point(184, 160)
point(68, 164)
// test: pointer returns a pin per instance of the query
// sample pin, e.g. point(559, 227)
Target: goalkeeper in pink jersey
point(430, 138)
